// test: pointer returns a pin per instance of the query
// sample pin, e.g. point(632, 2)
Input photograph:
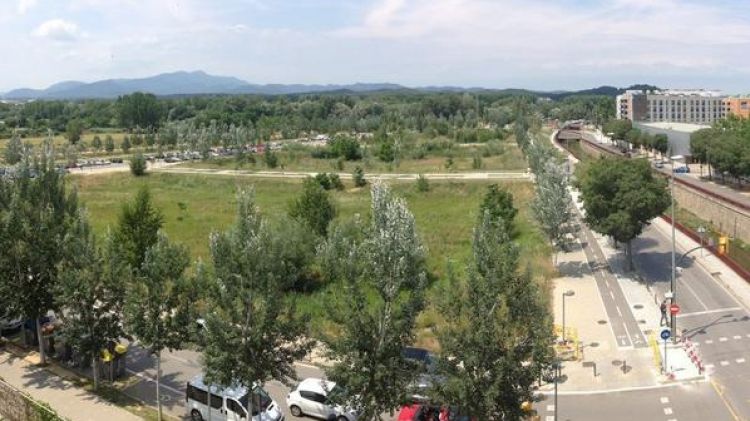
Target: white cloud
point(58, 30)
point(25, 5)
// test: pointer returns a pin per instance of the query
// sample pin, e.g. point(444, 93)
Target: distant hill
point(198, 83)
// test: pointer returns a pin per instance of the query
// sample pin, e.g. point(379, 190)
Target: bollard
point(594, 369)
point(624, 367)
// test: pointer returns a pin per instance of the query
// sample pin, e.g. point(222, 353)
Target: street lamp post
point(568, 293)
point(673, 299)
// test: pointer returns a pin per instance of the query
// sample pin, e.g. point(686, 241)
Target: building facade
point(679, 106)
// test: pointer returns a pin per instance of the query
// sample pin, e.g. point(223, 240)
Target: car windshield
point(261, 399)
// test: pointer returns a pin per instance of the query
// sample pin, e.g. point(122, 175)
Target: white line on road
point(618, 311)
point(612, 294)
point(740, 360)
point(549, 418)
point(724, 363)
point(737, 337)
point(550, 408)
point(667, 411)
point(709, 366)
point(717, 310)
point(149, 379)
point(692, 291)
point(722, 339)
point(664, 400)
point(709, 341)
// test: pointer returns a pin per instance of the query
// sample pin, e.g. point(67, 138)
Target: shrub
point(422, 184)
point(323, 180)
point(270, 158)
point(346, 147)
point(138, 165)
point(313, 207)
point(476, 162)
point(336, 182)
point(359, 177)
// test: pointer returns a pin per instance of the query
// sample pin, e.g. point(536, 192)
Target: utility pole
point(673, 299)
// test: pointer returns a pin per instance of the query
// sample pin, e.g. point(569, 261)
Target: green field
point(196, 205)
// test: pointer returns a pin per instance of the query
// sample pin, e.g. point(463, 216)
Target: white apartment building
point(678, 106)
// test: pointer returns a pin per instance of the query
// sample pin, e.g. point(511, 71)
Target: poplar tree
point(91, 292)
point(552, 204)
point(381, 269)
point(251, 334)
point(495, 339)
point(159, 302)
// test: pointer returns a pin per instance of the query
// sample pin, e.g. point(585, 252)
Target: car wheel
point(195, 415)
point(294, 409)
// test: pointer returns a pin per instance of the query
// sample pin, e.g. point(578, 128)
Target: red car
point(419, 412)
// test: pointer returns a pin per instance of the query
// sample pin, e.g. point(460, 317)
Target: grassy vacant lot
point(195, 205)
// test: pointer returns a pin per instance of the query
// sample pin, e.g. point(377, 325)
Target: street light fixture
point(568, 293)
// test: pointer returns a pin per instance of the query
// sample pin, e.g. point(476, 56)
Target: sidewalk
point(68, 400)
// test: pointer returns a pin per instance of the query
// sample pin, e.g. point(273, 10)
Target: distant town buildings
point(679, 106)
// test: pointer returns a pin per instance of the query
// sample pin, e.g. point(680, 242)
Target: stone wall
point(16, 406)
point(724, 217)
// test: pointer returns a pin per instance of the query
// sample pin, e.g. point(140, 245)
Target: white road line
point(549, 418)
point(667, 411)
point(737, 337)
point(550, 408)
point(724, 363)
point(612, 294)
point(722, 339)
point(740, 360)
point(618, 311)
point(709, 341)
point(709, 366)
point(149, 379)
point(664, 400)
point(717, 310)
point(692, 291)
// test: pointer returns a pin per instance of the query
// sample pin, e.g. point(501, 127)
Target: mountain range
point(201, 83)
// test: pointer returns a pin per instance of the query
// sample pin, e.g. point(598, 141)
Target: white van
point(229, 404)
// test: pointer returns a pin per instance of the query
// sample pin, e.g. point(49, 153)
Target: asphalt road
point(688, 402)
point(710, 315)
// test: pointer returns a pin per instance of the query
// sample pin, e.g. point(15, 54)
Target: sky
point(535, 44)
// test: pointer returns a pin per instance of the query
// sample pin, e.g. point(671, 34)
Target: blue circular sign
point(665, 333)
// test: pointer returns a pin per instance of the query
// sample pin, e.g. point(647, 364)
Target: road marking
point(667, 411)
point(722, 339)
point(700, 313)
point(709, 366)
point(709, 341)
point(664, 400)
point(692, 291)
point(550, 408)
point(612, 294)
point(737, 337)
point(720, 391)
point(724, 363)
point(740, 360)
point(149, 379)
point(549, 418)
point(618, 311)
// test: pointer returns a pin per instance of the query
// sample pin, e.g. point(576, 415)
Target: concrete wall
point(727, 218)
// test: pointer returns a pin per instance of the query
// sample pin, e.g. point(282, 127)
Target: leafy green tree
point(160, 301)
point(552, 205)
point(314, 207)
point(324, 181)
point(35, 215)
point(139, 110)
point(138, 165)
point(125, 145)
point(73, 131)
point(618, 128)
point(382, 276)
point(14, 150)
point(137, 228)
point(497, 331)
point(252, 335)
point(91, 291)
point(387, 151)
point(661, 143)
point(96, 143)
point(621, 197)
point(336, 182)
point(499, 203)
point(359, 177)
point(109, 144)
point(346, 147)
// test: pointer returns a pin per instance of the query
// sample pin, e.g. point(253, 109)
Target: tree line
point(134, 282)
point(725, 148)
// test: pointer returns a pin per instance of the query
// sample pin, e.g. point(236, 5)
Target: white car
point(310, 397)
point(9, 321)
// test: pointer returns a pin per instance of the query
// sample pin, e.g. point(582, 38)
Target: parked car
point(682, 170)
point(420, 412)
point(310, 397)
point(228, 404)
point(659, 164)
point(9, 321)
point(426, 366)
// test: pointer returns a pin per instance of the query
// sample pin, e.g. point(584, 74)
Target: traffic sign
point(674, 309)
point(665, 333)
